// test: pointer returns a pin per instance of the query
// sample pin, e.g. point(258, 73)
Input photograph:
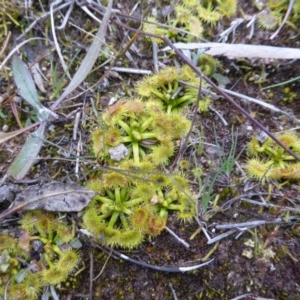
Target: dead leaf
point(53, 196)
point(114, 108)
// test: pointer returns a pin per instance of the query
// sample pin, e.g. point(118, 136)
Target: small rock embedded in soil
point(118, 153)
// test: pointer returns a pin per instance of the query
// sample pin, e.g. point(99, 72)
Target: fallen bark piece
point(54, 196)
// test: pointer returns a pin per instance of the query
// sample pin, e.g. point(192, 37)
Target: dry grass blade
point(287, 14)
point(5, 43)
point(14, 50)
point(89, 60)
point(5, 136)
point(57, 46)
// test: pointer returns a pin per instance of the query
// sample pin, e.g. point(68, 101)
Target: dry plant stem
point(280, 208)
point(184, 243)
point(13, 51)
point(251, 224)
point(7, 136)
point(202, 226)
point(14, 109)
point(91, 273)
point(112, 62)
point(76, 123)
point(53, 292)
point(88, 12)
point(43, 17)
point(132, 40)
point(130, 70)
point(251, 24)
point(246, 296)
point(230, 202)
point(96, 6)
point(155, 56)
point(78, 151)
point(288, 12)
point(219, 115)
point(185, 141)
point(55, 38)
point(66, 18)
point(158, 268)
point(127, 37)
point(103, 267)
point(173, 291)
point(221, 236)
point(5, 43)
point(261, 103)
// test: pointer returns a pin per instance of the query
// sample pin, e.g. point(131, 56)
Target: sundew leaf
point(25, 159)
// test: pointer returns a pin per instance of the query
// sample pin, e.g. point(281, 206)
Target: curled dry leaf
point(53, 196)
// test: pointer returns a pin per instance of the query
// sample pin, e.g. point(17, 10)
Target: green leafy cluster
point(143, 128)
point(148, 127)
point(134, 200)
point(270, 161)
point(127, 209)
point(41, 255)
point(175, 88)
point(150, 124)
point(190, 16)
point(166, 88)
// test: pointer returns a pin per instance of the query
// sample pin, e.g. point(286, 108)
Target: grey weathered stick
point(240, 50)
